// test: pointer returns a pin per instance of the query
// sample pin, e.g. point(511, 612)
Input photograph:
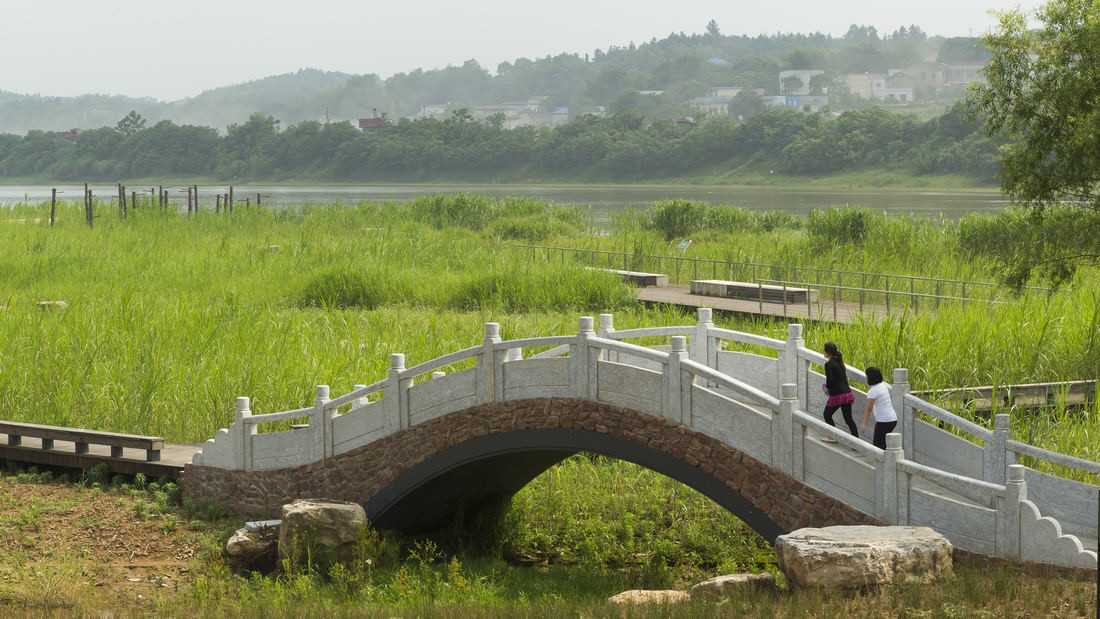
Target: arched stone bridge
point(725, 415)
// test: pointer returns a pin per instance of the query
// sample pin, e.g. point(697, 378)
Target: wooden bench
point(82, 438)
point(769, 293)
point(639, 278)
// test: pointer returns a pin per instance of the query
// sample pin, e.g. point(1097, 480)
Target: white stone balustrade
point(757, 394)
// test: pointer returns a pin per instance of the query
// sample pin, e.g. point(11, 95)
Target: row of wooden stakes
point(223, 202)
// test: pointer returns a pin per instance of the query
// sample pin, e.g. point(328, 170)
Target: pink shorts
point(840, 399)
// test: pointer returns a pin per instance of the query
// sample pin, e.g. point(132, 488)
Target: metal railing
point(857, 288)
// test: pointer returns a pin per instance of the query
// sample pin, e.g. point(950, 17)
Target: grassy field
point(168, 318)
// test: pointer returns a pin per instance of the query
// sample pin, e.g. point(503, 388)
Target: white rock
point(643, 596)
point(732, 584)
point(863, 556)
point(325, 531)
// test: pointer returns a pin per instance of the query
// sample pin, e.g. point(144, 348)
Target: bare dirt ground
point(68, 547)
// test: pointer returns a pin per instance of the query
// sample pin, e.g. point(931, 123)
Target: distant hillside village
point(806, 90)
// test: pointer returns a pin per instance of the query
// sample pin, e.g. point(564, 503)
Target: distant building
point(896, 87)
point(726, 91)
point(374, 122)
point(559, 116)
point(718, 62)
point(711, 106)
point(71, 134)
point(802, 103)
point(433, 110)
point(651, 93)
point(804, 77)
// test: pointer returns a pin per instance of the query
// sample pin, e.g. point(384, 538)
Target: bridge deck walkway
point(172, 457)
point(845, 312)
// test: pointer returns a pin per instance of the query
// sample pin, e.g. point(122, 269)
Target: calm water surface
point(603, 199)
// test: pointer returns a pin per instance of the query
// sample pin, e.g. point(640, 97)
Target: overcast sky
point(170, 49)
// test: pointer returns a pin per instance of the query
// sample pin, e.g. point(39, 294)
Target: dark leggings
point(847, 408)
point(882, 428)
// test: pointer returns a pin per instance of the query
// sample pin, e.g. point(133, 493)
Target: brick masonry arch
point(419, 478)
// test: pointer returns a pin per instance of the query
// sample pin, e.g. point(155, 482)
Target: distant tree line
point(622, 146)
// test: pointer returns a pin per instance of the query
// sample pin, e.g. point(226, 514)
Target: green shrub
point(839, 226)
point(341, 289)
point(529, 228)
point(677, 218)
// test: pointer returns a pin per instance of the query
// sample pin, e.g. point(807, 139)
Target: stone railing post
point(783, 457)
point(394, 398)
point(581, 370)
point(905, 412)
point(359, 402)
point(702, 345)
point(242, 442)
point(490, 383)
point(887, 480)
point(514, 354)
point(320, 425)
point(607, 330)
point(995, 452)
point(438, 374)
point(790, 365)
point(673, 382)
point(1008, 518)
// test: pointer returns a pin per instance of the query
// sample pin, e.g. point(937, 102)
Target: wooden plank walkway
point(63, 454)
point(844, 312)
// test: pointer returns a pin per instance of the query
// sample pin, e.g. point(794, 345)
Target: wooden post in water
point(53, 206)
point(218, 203)
point(259, 201)
point(133, 199)
point(231, 198)
point(89, 205)
point(196, 199)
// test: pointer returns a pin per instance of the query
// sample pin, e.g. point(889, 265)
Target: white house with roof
point(804, 77)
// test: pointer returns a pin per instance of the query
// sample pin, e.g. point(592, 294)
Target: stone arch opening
point(471, 480)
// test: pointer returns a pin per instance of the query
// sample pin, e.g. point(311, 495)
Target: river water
point(602, 199)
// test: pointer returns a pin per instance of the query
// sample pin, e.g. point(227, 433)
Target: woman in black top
point(836, 386)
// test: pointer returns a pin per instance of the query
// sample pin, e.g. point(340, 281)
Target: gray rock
point(643, 596)
point(254, 548)
point(320, 531)
point(731, 585)
point(863, 556)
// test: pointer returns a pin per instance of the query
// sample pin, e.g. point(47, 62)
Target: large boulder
point(863, 556)
point(731, 585)
point(321, 532)
point(643, 596)
point(254, 547)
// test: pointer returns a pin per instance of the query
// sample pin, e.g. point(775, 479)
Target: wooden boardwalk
point(63, 454)
point(843, 312)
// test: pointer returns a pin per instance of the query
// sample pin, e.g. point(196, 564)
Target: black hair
point(874, 376)
point(831, 349)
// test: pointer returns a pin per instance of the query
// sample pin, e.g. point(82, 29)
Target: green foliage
point(1042, 95)
point(681, 218)
point(341, 289)
point(838, 226)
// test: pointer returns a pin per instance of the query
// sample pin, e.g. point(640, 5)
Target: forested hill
point(620, 147)
point(680, 65)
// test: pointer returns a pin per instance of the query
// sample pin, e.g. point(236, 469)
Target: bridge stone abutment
point(424, 477)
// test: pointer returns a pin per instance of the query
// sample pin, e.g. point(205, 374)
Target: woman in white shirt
point(879, 402)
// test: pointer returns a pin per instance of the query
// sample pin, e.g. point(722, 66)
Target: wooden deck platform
point(820, 310)
point(63, 454)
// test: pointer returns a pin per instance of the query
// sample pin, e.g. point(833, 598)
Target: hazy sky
point(176, 48)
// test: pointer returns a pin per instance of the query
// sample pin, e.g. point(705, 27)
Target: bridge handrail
point(353, 395)
point(553, 352)
point(438, 362)
point(745, 338)
point(562, 342)
point(630, 349)
point(1053, 457)
point(858, 444)
point(974, 489)
point(650, 332)
point(279, 416)
point(931, 409)
point(818, 358)
point(703, 371)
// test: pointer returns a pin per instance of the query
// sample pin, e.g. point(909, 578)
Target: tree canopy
point(1043, 94)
